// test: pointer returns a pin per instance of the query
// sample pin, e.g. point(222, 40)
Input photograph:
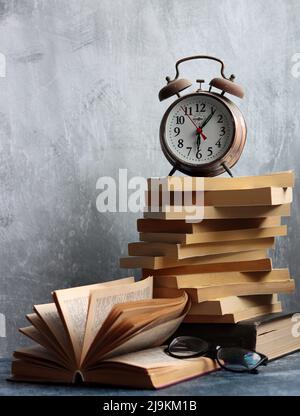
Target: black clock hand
point(198, 129)
point(207, 119)
point(198, 141)
point(198, 154)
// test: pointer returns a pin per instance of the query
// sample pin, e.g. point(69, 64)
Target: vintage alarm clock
point(203, 133)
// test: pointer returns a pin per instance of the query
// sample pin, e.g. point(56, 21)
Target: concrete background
point(79, 101)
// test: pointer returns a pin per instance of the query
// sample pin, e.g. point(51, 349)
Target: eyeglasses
point(235, 359)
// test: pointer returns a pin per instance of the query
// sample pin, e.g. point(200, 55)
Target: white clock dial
point(199, 129)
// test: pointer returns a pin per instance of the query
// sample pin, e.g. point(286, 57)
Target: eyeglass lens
point(188, 347)
point(238, 359)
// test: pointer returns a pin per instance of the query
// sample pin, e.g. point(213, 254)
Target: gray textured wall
point(79, 101)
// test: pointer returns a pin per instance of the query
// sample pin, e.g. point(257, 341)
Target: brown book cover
point(149, 225)
point(215, 236)
point(270, 334)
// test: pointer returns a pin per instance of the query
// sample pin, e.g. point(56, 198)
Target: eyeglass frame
point(263, 361)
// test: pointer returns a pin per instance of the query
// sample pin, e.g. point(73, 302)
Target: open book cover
point(92, 334)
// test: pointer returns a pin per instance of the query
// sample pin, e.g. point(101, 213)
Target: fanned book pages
point(79, 334)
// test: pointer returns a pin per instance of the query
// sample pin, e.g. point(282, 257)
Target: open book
point(85, 327)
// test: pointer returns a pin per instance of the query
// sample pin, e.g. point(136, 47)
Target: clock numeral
point(223, 131)
point(220, 118)
point(218, 143)
point(200, 108)
point(198, 155)
point(180, 143)
point(190, 148)
point(176, 131)
point(180, 119)
point(188, 111)
point(210, 151)
point(203, 108)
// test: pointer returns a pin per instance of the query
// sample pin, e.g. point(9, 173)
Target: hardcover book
point(183, 251)
point(284, 179)
point(148, 225)
point(270, 334)
point(226, 198)
point(204, 293)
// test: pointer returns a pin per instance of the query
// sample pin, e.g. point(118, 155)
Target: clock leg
point(227, 169)
point(173, 170)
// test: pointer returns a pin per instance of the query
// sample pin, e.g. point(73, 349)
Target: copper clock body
point(231, 155)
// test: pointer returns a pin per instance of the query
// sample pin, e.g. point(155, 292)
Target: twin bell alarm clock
point(202, 133)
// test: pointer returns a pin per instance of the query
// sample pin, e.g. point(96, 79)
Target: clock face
point(199, 129)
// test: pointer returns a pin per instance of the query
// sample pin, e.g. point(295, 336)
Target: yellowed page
point(38, 337)
point(38, 353)
point(73, 304)
point(32, 333)
point(147, 338)
point(102, 300)
point(38, 323)
point(49, 314)
point(128, 326)
point(153, 334)
point(121, 317)
point(149, 358)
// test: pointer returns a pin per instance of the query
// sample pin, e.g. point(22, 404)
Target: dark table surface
point(280, 377)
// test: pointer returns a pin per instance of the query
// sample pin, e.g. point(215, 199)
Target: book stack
point(219, 253)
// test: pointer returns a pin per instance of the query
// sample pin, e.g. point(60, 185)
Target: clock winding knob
point(200, 81)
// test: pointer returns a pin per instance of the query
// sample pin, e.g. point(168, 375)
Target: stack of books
point(219, 254)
